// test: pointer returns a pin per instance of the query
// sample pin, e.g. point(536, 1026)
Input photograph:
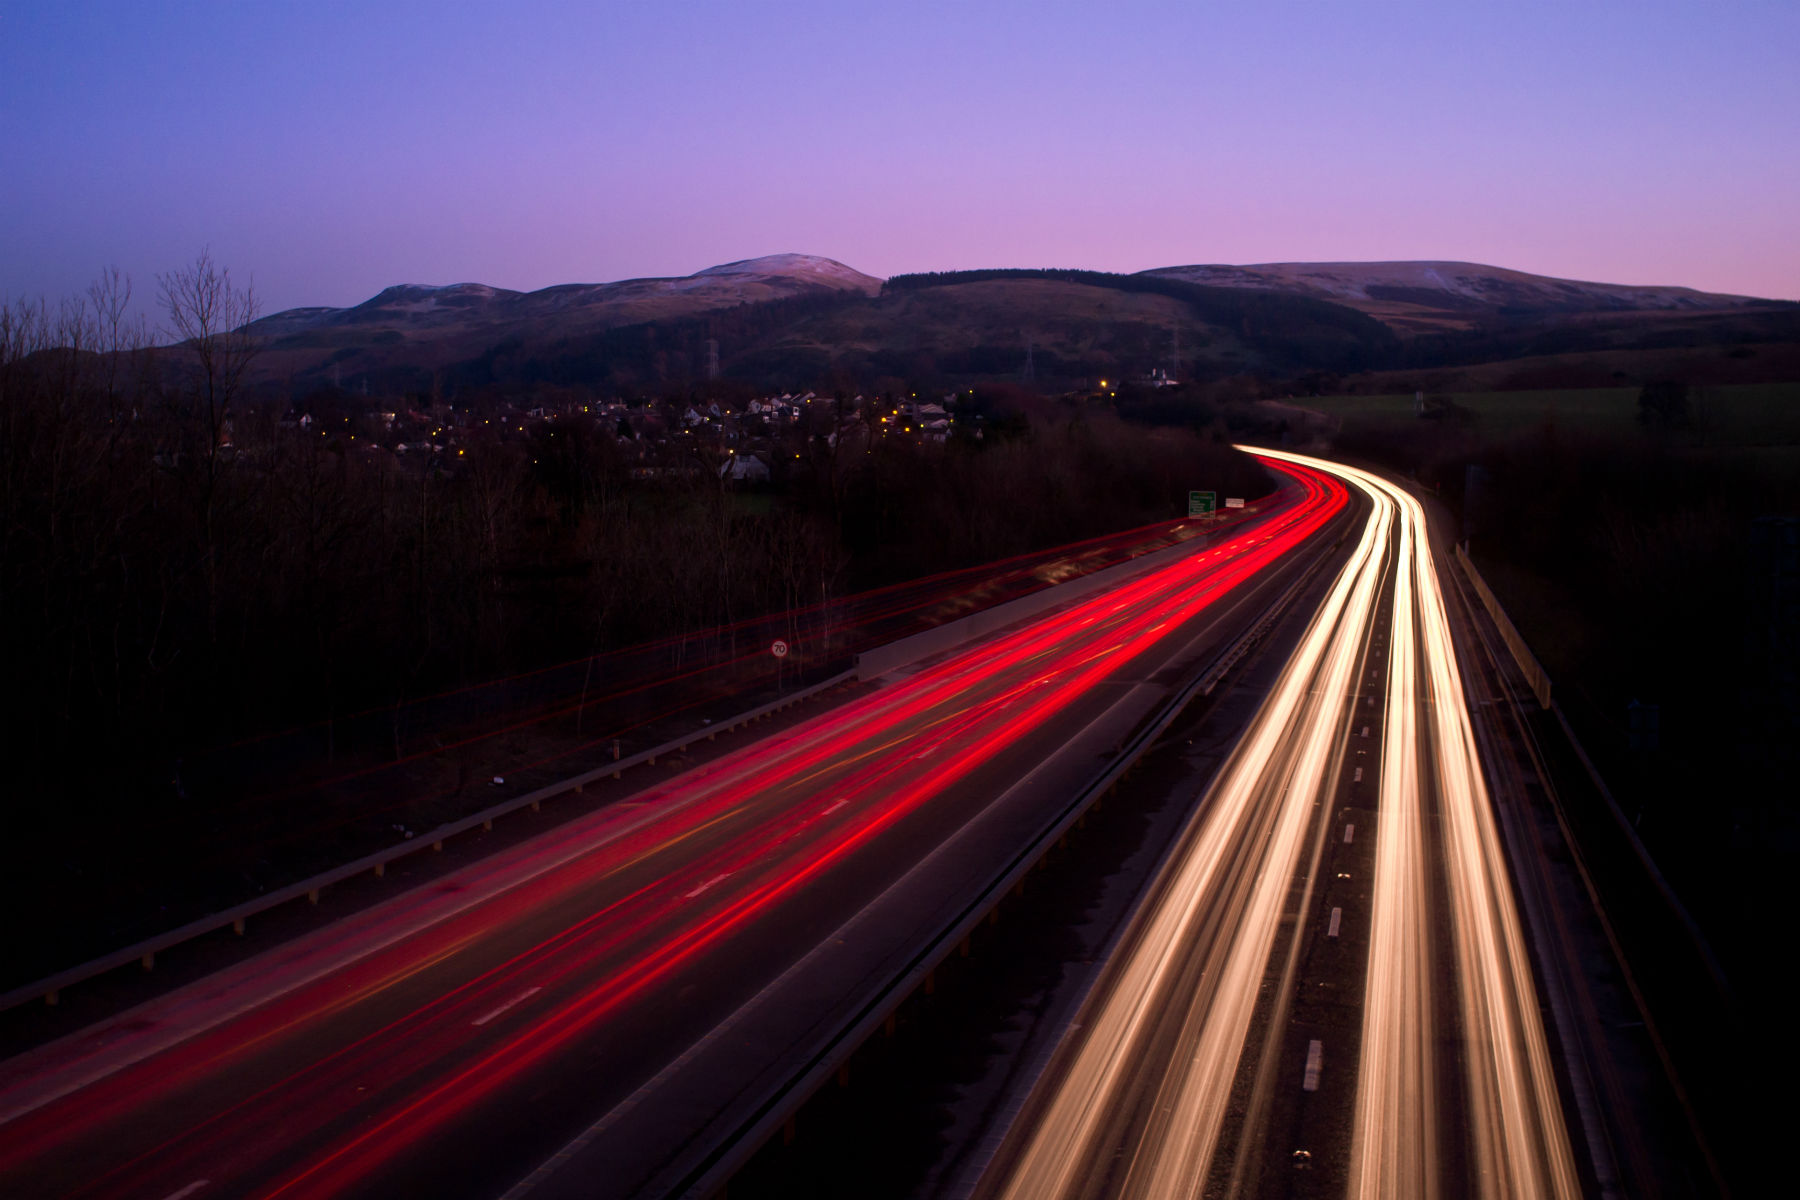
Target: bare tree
point(120, 339)
point(210, 319)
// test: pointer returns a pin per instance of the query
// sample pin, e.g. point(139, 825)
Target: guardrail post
point(438, 845)
point(237, 927)
point(149, 960)
point(536, 807)
point(312, 897)
point(51, 997)
point(615, 752)
point(380, 869)
point(488, 824)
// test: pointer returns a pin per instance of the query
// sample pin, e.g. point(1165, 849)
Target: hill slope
point(1431, 296)
point(790, 319)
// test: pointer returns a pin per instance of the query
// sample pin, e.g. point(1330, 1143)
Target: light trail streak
point(1520, 1146)
point(1137, 1110)
point(1243, 857)
point(1394, 1144)
point(731, 844)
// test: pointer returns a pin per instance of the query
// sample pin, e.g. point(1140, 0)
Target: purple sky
point(329, 152)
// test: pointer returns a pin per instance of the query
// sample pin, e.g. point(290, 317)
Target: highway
point(1212, 1058)
point(587, 1013)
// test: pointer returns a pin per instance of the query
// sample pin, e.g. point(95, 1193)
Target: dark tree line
point(1300, 331)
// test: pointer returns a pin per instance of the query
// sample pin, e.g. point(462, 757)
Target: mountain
point(794, 319)
point(431, 326)
point(1432, 296)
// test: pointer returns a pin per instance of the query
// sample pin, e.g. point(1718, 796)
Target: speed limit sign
point(779, 649)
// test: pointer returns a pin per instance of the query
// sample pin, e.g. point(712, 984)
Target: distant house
point(744, 468)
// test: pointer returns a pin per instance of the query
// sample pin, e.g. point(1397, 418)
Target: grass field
point(1758, 414)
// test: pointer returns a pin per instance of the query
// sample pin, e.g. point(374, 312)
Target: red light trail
point(339, 1080)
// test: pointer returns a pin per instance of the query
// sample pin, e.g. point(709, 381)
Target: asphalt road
point(591, 1012)
point(1329, 990)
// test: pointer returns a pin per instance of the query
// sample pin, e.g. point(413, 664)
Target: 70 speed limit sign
point(779, 649)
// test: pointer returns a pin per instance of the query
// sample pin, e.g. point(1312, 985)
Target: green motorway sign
point(1202, 504)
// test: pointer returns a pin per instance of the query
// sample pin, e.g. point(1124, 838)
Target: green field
point(1759, 414)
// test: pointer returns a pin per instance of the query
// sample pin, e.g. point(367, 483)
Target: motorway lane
point(1138, 1107)
point(499, 1024)
point(1164, 1055)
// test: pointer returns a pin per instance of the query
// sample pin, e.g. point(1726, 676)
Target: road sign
point(1234, 502)
point(1202, 504)
point(779, 649)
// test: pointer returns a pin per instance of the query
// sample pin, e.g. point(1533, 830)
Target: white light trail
point(1519, 1144)
point(1222, 899)
point(1260, 803)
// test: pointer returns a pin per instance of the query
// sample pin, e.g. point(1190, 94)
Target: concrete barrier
point(1535, 678)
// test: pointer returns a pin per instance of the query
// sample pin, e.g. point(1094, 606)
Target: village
point(739, 442)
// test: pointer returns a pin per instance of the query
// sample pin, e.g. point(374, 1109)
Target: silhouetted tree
point(1663, 405)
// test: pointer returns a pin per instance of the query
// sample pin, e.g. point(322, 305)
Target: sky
point(327, 150)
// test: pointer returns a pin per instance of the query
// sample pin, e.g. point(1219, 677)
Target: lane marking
point(1349, 832)
point(1365, 732)
point(189, 1190)
point(1315, 1058)
point(1337, 916)
point(835, 807)
point(517, 1000)
point(1358, 777)
point(704, 886)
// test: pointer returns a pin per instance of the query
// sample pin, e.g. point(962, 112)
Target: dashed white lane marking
point(835, 807)
point(704, 886)
point(1349, 832)
point(189, 1190)
point(1358, 777)
point(1371, 702)
point(517, 1000)
point(1337, 915)
point(1315, 1058)
point(1365, 732)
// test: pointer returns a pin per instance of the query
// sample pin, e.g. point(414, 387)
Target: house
point(744, 468)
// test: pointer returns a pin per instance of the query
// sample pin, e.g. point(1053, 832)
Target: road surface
point(591, 1012)
point(1237, 1044)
